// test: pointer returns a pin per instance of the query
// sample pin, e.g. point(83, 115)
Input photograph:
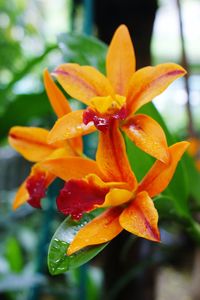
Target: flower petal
point(70, 126)
point(58, 101)
point(60, 106)
point(71, 167)
point(76, 144)
point(31, 142)
point(159, 176)
point(112, 158)
point(120, 62)
point(100, 230)
point(149, 82)
point(83, 82)
point(141, 218)
point(36, 185)
point(21, 196)
point(33, 188)
point(79, 196)
point(96, 180)
point(117, 197)
point(148, 135)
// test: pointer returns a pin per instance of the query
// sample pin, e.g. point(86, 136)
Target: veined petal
point(83, 82)
point(100, 230)
point(31, 142)
point(33, 188)
point(148, 135)
point(71, 167)
point(117, 197)
point(120, 61)
point(58, 101)
point(70, 126)
point(159, 176)
point(141, 218)
point(149, 82)
point(112, 158)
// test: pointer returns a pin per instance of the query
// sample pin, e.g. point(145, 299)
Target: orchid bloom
point(31, 142)
point(111, 184)
point(117, 96)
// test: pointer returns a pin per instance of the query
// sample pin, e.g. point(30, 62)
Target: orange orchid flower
point(111, 184)
point(31, 142)
point(117, 96)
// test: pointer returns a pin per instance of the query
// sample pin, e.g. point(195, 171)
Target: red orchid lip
point(103, 122)
point(78, 196)
point(36, 189)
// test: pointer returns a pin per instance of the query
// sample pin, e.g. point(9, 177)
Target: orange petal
point(31, 142)
point(117, 197)
point(120, 62)
point(141, 218)
point(58, 101)
point(100, 230)
point(112, 158)
point(77, 145)
point(64, 151)
point(149, 82)
point(71, 167)
point(83, 82)
point(22, 195)
point(97, 181)
point(70, 126)
point(60, 106)
point(159, 176)
point(148, 135)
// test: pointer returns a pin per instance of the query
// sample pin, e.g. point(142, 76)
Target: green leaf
point(23, 109)
point(58, 261)
point(83, 49)
point(193, 178)
point(178, 189)
point(165, 207)
point(139, 160)
point(28, 67)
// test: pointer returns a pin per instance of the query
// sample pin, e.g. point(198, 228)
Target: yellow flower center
point(108, 104)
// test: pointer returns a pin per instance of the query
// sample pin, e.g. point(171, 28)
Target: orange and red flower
point(111, 184)
point(116, 97)
point(108, 182)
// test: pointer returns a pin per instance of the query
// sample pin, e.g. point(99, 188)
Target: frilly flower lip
point(118, 95)
point(103, 122)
